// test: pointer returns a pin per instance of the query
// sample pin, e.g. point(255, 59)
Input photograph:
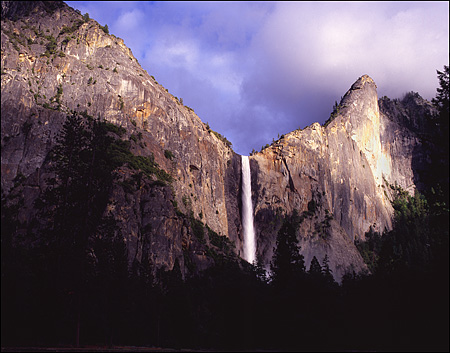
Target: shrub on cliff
point(105, 28)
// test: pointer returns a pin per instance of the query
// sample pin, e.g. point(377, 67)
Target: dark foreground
point(92, 349)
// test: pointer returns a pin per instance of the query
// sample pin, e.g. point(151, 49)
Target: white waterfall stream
point(247, 213)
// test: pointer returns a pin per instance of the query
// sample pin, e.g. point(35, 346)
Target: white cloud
point(215, 67)
point(325, 45)
point(250, 68)
point(131, 20)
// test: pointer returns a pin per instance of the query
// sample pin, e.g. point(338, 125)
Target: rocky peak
point(344, 169)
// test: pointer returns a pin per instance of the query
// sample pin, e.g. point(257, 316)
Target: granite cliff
point(338, 176)
point(55, 62)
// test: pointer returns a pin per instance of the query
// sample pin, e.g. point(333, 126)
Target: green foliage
point(71, 29)
point(118, 130)
point(223, 139)
point(117, 153)
point(105, 28)
point(133, 138)
point(198, 230)
point(408, 245)
point(219, 136)
point(149, 167)
point(438, 173)
point(322, 228)
point(370, 249)
point(59, 91)
point(51, 45)
point(416, 240)
point(441, 101)
point(409, 208)
point(78, 252)
point(216, 239)
point(336, 111)
point(168, 154)
point(86, 17)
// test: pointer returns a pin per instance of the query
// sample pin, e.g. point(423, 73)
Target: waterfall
point(247, 212)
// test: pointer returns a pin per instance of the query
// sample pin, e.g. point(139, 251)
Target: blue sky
point(256, 70)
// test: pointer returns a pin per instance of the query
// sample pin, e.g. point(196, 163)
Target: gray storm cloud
point(256, 70)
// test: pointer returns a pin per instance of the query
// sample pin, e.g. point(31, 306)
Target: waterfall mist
point(247, 212)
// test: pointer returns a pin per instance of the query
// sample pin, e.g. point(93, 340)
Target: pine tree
point(441, 101)
point(315, 269)
point(287, 263)
point(260, 271)
point(77, 231)
point(326, 271)
point(440, 158)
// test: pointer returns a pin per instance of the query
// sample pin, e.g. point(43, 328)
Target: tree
point(441, 101)
point(105, 28)
point(314, 268)
point(86, 17)
point(259, 270)
point(408, 245)
point(85, 244)
point(287, 262)
point(326, 271)
point(440, 157)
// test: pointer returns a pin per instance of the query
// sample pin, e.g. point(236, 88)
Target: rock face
point(337, 176)
point(54, 62)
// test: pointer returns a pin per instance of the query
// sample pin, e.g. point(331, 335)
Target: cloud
point(254, 70)
point(307, 55)
point(329, 43)
point(130, 21)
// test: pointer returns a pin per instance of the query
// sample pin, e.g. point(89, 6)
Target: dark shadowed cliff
point(55, 63)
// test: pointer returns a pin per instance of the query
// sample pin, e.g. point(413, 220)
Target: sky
point(257, 70)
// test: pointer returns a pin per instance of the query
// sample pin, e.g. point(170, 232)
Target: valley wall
point(337, 176)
